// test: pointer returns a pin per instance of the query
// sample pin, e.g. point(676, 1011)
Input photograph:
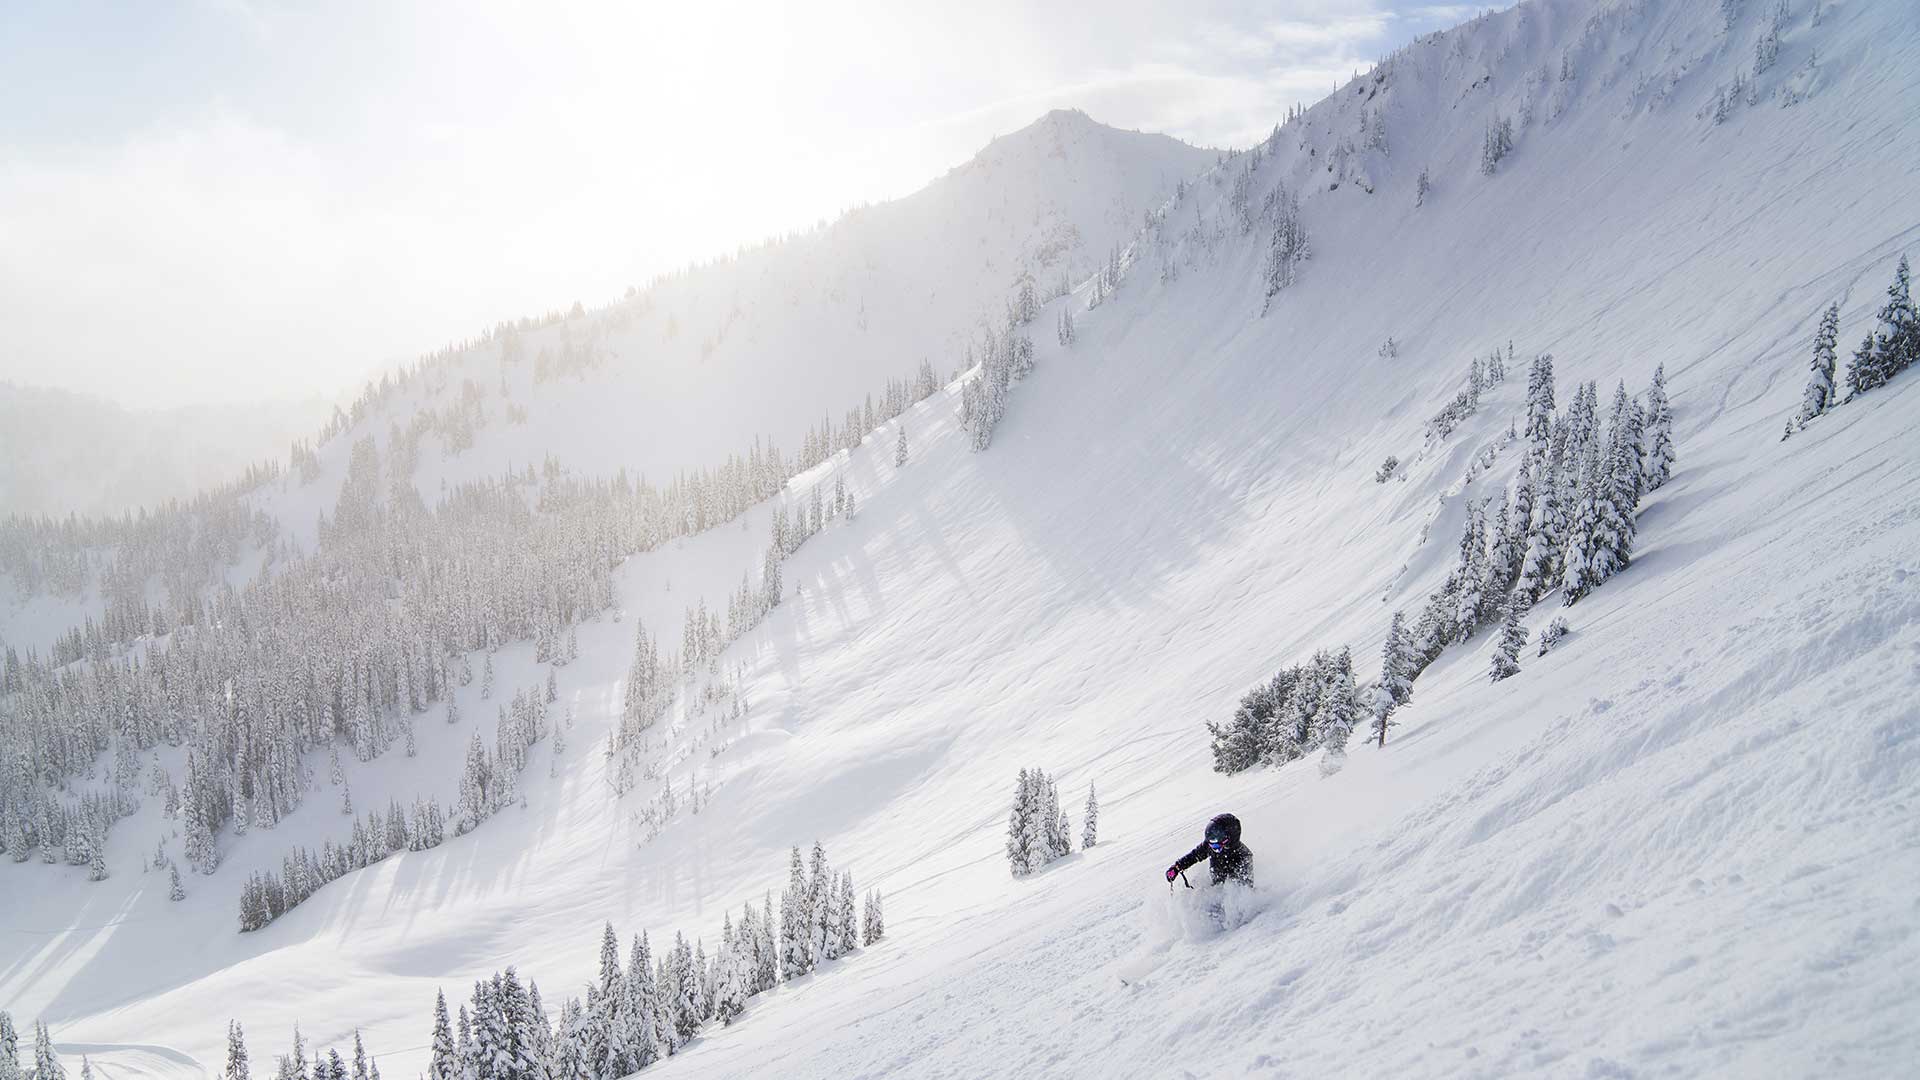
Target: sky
point(231, 200)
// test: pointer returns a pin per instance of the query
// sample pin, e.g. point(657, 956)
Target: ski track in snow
point(1684, 843)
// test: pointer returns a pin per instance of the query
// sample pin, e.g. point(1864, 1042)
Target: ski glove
point(1172, 872)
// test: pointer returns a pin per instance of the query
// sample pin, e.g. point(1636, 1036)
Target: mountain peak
point(1065, 133)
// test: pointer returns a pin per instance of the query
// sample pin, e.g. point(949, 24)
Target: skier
point(1227, 857)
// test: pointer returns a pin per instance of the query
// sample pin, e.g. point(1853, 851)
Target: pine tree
point(1585, 532)
point(900, 447)
point(1546, 537)
point(1017, 827)
point(1657, 439)
point(463, 1046)
point(1340, 707)
point(849, 923)
point(729, 992)
point(770, 579)
point(1820, 389)
point(878, 923)
point(686, 993)
point(174, 891)
point(359, 1058)
point(610, 1027)
point(1396, 661)
point(1863, 370)
point(569, 1059)
point(766, 947)
point(643, 1003)
point(1513, 638)
point(1089, 821)
point(442, 1065)
point(1505, 550)
point(9, 1048)
point(1602, 537)
point(702, 971)
point(1896, 342)
point(1540, 405)
point(294, 1066)
point(1288, 247)
point(46, 1064)
point(1471, 574)
point(237, 1067)
point(1496, 145)
point(820, 935)
point(796, 916)
point(1624, 438)
point(1042, 811)
point(1395, 687)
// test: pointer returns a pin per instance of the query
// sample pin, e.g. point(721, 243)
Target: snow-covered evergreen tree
point(728, 994)
point(1587, 533)
point(876, 927)
point(463, 1045)
point(536, 1035)
point(442, 1064)
point(1656, 439)
point(236, 1067)
point(1546, 536)
point(610, 1027)
point(684, 996)
point(1472, 599)
point(1513, 638)
point(1601, 538)
point(796, 917)
point(1340, 707)
point(1017, 824)
point(1894, 344)
point(1898, 321)
point(643, 1004)
point(46, 1063)
point(1288, 247)
point(847, 916)
point(1556, 629)
point(1496, 144)
point(820, 899)
point(1820, 386)
point(1506, 548)
point(1540, 405)
point(10, 1048)
point(360, 1065)
point(1395, 687)
point(766, 949)
point(900, 447)
point(1089, 820)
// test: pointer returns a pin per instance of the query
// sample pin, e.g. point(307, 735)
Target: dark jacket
point(1233, 861)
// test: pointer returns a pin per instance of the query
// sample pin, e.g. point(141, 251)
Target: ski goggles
point(1215, 845)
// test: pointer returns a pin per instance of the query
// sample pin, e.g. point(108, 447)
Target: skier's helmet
point(1223, 832)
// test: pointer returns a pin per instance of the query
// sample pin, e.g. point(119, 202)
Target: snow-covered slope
point(1682, 843)
point(774, 339)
